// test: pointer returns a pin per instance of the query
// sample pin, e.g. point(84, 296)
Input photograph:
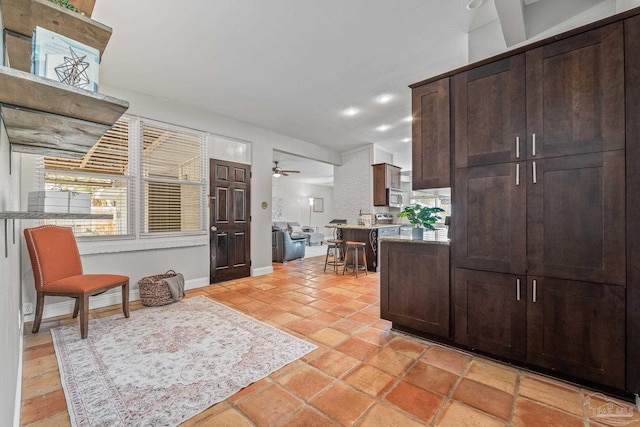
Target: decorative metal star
point(74, 70)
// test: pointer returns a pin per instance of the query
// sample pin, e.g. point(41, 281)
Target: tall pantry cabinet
point(546, 263)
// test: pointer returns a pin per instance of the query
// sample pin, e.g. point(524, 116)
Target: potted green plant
point(421, 217)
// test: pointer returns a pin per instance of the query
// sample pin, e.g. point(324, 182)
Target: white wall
point(295, 202)
point(10, 304)
point(353, 184)
point(192, 261)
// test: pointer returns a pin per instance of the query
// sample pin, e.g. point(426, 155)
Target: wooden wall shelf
point(13, 215)
point(21, 89)
point(42, 115)
point(22, 16)
point(51, 215)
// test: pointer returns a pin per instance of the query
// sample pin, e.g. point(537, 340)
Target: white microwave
point(394, 198)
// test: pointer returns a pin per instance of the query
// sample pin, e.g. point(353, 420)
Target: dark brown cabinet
point(385, 177)
point(575, 94)
point(632, 92)
point(490, 312)
point(577, 328)
point(485, 136)
point(489, 224)
point(576, 217)
point(414, 286)
point(431, 148)
point(539, 225)
point(546, 191)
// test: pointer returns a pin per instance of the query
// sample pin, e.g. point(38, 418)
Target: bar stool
point(336, 248)
point(355, 248)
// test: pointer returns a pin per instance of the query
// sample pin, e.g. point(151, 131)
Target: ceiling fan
point(278, 171)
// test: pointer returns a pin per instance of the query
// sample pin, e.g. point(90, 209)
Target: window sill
point(116, 246)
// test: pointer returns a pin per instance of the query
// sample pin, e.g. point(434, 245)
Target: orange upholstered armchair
point(57, 270)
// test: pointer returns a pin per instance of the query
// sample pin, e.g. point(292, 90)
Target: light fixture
point(408, 119)
point(383, 99)
point(383, 128)
point(474, 4)
point(406, 140)
point(276, 175)
point(351, 111)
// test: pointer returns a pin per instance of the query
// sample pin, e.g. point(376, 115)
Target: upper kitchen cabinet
point(431, 135)
point(490, 118)
point(575, 94)
point(385, 177)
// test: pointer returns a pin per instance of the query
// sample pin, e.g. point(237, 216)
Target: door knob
point(214, 228)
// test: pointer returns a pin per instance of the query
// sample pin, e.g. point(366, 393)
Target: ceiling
point(294, 66)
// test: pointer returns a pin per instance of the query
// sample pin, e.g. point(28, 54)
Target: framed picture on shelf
point(367, 220)
point(318, 204)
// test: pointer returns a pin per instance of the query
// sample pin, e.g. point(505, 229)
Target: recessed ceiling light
point(408, 119)
point(351, 111)
point(383, 128)
point(406, 140)
point(383, 99)
point(474, 4)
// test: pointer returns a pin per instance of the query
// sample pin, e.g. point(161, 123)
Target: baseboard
point(261, 271)
point(112, 298)
point(17, 410)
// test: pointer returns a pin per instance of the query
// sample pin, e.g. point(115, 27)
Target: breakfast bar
point(368, 234)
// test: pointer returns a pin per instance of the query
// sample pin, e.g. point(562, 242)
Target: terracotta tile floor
point(362, 374)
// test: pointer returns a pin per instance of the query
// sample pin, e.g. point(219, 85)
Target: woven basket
point(154, 291)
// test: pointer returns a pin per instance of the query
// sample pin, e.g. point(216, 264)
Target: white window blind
point(140, 169)
point(105, 172)
point(173, 187)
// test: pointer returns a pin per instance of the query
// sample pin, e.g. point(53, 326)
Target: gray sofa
point(286, 246)
point(312, 236)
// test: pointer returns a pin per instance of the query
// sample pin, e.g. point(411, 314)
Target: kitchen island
point(368, 234)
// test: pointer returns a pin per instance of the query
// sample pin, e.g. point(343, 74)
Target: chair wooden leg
point(39, 309)
point(125, 299)
point(76, 308)
point(84, 315)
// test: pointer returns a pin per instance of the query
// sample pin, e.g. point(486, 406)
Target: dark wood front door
point(577, 328)
point(490, 113)
point(575, 94)
point(230, 220)
point(576, 217)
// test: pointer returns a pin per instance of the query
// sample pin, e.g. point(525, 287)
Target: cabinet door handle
point(517, 173)
point(535, 174)
point(535, 290)
point(517, 147)
point(517, 289)
point(533, 148)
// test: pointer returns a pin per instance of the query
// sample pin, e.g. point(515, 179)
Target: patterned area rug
point(165, 365)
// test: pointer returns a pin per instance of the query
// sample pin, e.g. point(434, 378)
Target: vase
point(417, 233)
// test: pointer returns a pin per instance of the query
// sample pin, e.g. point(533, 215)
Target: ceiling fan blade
point(284, 173)
point(291, 171)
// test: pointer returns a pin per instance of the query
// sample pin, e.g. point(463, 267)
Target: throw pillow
point(296, 229)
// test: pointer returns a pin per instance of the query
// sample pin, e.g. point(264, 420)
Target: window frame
point(136, 209)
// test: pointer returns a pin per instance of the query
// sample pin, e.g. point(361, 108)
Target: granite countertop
point(365, 227)
point(408, 239)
